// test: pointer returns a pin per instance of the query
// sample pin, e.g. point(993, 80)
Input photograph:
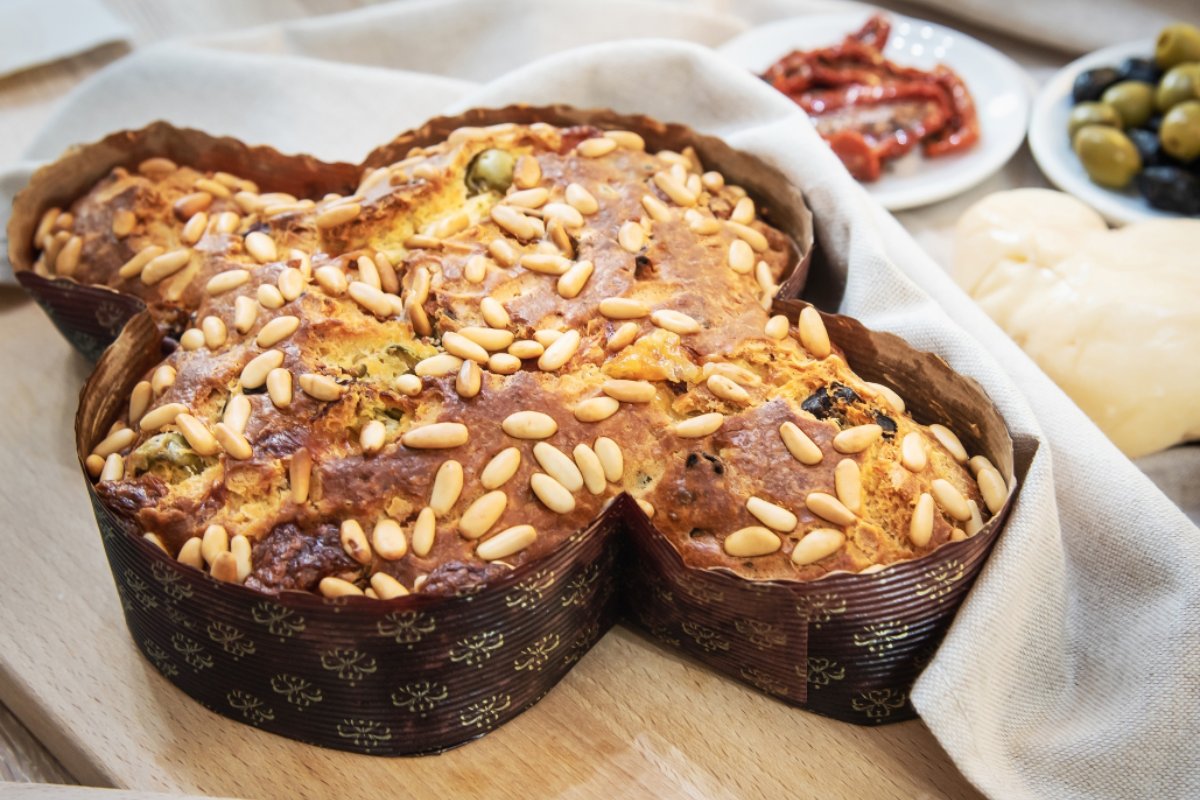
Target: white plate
point(1052, 149)
point(1000, 88)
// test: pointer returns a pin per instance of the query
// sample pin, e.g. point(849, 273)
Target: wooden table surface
point(689, 733)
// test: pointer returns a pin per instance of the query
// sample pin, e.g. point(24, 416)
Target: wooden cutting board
point(631, 720)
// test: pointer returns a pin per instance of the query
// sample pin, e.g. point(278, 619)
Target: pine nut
point(609, 453)
point(975, 524)
point(595, 409)
point(492, 339)
point(372, 437)
point(857, 439)
point(559, 352)
point(948, 440)
point(116, 441)
point(675, 321)
point(386, 587)
point(574, 279)
point(702, 224)
point(545, 263)
point(527, 172)
point(226, 222)
point(190, 204)
point(503, 252)
point(67, 260)
point(766, 282)
point(214, 188)
point(458, 345)
point(894, 401)
point(529, 425)
point(622, 337)
point(193, 230)
point(225, 281)
point(912, 452)
point(290, 283)
point(331, 279)
point(506, 543)
point(713, 181)
point(630, 391)
point(388, 280)
point(469, 380)
point(198, 436)
point(581, 199)
point(741, 257)
point(165, 265)
point(260, 246)
point(546, 337)
point(553, 494)
point(336, 587)
point(409, 385)
point(558, 465)
point(565, 213)
point(627, 139)
point(192, 339)
point(504, 364)
point(423, 532)
point(595, 148)
point(438, 366)
point(976, 464)
point(388, 540)
point(245, 314)
point(817, 544)
point(139, 400)
point(160, 417)
point(623, 308)
point(631, 236)
point(675, 189)
point(772, 515)
point(300, 475)
point(214, 332)
point(950, 499)
point(371, 299)
point(657, 209)
point(337, 215)
point(482, 514)
point(254, 374)
point(743, 211)
point(225, 568)
point(269, 296)
point(135, 265)
point(447, 486)
point(813, 335)
point(756, 240)
point(920, 527)
point(214, 542)
point(994, 491)
point(46, 225)
point(162, 379)
point(751, 542)
point(847, 481)
point(237, 412)
point(739, 375)
point(514, 222)
point(726, 389)
point(235, 445)
point(113, 469)
point(321, 387)
point(828, 507)
point(436, 436)
point(699, 427)
point(123, 223)
point(777, 327)
point(500, 468)
point(646, 506)
point(476, 269)
point(277, 330)
point(190, 553)
point(494, 313)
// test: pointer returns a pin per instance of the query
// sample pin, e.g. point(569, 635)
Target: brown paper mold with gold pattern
point(91, 314)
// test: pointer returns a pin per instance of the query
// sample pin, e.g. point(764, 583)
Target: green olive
point(1107, 154)
point(1092, 114)
point(1177, 43)
point(1181, 83)
point(1133, 100)
point(491, 171)
point(1180, 131)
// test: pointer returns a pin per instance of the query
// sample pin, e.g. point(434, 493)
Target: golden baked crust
point(443, 256)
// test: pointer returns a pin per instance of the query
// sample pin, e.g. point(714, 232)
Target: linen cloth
point(35, 32)
point(1070, 671)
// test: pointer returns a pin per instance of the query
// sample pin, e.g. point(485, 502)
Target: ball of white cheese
point(1113, 316)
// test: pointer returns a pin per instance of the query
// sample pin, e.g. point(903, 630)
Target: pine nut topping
point(609, 453)
point(777, 327)
point(631, 236)
point(447, 486)
point(623, 308)
point(828, 507)
point(558, 465)
point(948, 440)
point(546, 337)
point(581, 199)
point(741, 257)
point(975, 524)
point(675, 321)
point(234, 444)
point(214, 332)
point(529, 425)
point(622, 337)
point(139, 400)
point(702, 224)
point(260, 246)
point(123, 223)
point(500, 468)
point(158, 418)
point(193, 230)
point(739, 375)
point(514, 222)
point(545, 263)
point(813, 335)
point(438, 366)
point(527, 172)
point(372, 437)
point(68, 258)
point(595, 409)
point(214, 542)
point(135, 265)
point(920, 528)
point(912, 452)
point(277, 330)
point(189, 554)
point(494, 313)
point(388, 540)
point(226, 222)
point(553, 494)
point(726, 389)
point(476, 269)
point(594, 148)
point(699, 427)
point(751, 542)
point(94, 465)
point(993, 489)
point(574, 279)
point(436, 436)
point(338, 215)
point(482, 514)
point(657, 209)
point(590, 468)
point(503, 252)
point(506, 543)
point(567, 214)
point(165, 265)
point(857, 439)
point(469, 380)
point(757, 241)
point(950, 499)
point(847, 481)
point(245, 314)
point(336, 587)
point(279, 387)
point(675, 189)
point(371, 299)
point(368, 273)
point(214, 188)
point(646, 506)
point(198, 436)
point(504, 364)
point(162, 379)
point(300, 475)
point(627, 139)
point(409, 385)
point(423, 532)
point(559, 352)
point(192, 339)
point(386, 587)
point(269, 296)
point(191, 204)
point(772, 515)
point(113, 469)
point(225, 281)
point(321, 387)
point(458, 345)
point(331, 279)
point(976, 463)
point(817, 544)
point(630, 391)
point(743, 211)
point(713, 181)
point(254, 374)
point(237, 412)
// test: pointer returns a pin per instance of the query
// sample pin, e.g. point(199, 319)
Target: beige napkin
point(36, 32)
point(1070, 672)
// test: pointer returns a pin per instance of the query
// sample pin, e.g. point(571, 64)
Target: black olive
point(1154, 123)
point(888, 425)
point(1149, 147)
point(818, 403)
point(1139, 69)
point(1171, 189)
point(1091, 84)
